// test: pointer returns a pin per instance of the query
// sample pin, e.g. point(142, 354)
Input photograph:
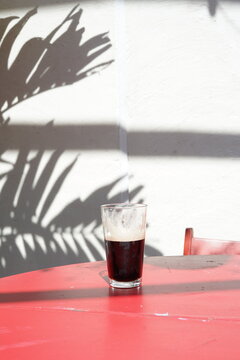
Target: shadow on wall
point(43, 64)
point(25, 243)
point(212, 7)
point(106, 137)
point(13, 4)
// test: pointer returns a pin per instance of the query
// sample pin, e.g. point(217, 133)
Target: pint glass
point(124, 227)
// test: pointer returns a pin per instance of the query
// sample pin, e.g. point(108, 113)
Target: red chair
point(202, 246)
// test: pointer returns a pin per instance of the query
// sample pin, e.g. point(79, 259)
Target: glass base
point(125, 284)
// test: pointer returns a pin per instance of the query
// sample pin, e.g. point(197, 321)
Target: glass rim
point(123, 206)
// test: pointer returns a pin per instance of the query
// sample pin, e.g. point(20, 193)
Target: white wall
point(183, 80)
point(174, 86)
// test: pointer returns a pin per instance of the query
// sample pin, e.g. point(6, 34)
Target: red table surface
point(187, 308)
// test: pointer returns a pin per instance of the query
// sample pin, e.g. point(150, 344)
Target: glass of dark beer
point(124, 227)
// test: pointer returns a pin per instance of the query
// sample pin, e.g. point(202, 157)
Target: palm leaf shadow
point(59, 59)
point(31, 245)
point(42, 64)
point(55, 189)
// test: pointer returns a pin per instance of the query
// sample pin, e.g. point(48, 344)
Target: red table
point(187, 308)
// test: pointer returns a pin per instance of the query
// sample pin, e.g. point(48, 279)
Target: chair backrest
point(204, 246)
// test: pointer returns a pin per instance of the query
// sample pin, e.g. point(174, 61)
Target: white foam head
point(121, 234)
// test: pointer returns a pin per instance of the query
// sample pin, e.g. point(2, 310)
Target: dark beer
point(125, 259)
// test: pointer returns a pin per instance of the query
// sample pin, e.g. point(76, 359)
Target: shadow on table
point(191, 262)
point(65, 294)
